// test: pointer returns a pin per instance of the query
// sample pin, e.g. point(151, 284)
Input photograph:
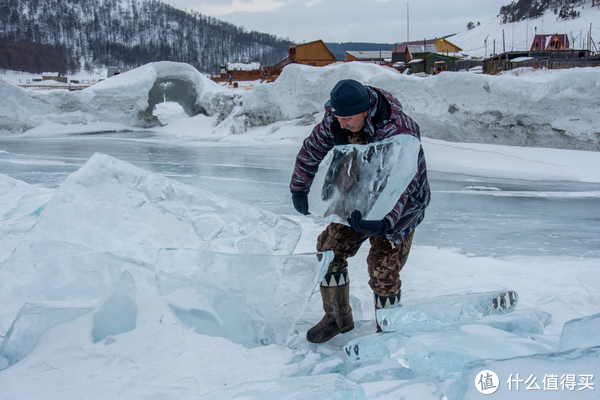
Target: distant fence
point(557, 59)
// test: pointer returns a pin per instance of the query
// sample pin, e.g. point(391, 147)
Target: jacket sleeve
point(411, 204)
point(313, 151)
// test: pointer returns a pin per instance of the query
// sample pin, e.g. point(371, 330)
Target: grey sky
point(381, 21)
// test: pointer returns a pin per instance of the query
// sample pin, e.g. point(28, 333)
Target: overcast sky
point(381, 21)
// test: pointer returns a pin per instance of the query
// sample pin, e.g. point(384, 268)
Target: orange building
point(314, 53)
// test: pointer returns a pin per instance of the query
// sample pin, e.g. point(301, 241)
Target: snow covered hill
point(518, 36)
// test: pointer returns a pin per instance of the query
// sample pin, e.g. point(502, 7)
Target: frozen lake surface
point(477, 215)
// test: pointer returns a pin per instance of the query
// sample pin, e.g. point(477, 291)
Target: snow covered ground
point(522, 218)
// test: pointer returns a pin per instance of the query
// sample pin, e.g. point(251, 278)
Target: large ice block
point(118, 313)
point(110, 215)
point(444, 310)
point(322, 387)
point(570, 374)
point(258, 298)
point(442, 353)
point(369, 178)
point(580, 332)
point(31, 323)
point(113, 206)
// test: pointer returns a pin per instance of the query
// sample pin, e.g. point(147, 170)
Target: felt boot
point(385, 302)
point(335, 291)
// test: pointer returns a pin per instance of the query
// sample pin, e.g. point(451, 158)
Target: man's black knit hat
point(349, 97)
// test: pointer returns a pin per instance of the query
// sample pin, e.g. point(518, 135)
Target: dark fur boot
point(335, 291)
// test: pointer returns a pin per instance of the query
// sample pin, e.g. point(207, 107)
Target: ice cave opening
point(171, 99)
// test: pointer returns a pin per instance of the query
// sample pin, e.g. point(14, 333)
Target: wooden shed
point(442, 46)
point(377, 57)
point(314, 53)
point(431, 63)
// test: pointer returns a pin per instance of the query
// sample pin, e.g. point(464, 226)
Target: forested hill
point(100, 33)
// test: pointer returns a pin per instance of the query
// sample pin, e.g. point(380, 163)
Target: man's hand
point(369, 228)
point(300, 200)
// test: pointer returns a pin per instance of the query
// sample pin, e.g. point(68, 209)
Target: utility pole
point(485, 46)
point(407, 25)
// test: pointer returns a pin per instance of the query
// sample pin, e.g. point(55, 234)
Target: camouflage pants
point(384, 262)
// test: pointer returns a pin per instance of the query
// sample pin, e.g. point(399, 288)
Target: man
point(356, 114)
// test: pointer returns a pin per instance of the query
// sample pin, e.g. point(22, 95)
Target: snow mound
point(128, 99)
point(558, 108)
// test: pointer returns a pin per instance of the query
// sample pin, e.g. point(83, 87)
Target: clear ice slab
point(580, 332)
point(109, 215)
point(442, 353)
point(31, 323)
point(369, 178)
point(257, 298)
point(322, 387)
point(118, 314)
point(445, 310)
point(570, 374)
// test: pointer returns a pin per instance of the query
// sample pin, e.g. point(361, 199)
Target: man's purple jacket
point(385, 119)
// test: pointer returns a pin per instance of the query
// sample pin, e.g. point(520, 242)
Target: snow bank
point(127, 99)
point(559, 108)
point(556, 108)
point(18, 105)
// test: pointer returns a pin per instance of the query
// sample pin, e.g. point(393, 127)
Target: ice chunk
point(322, 387)
point(112, 206)
point(442, 353)
point(580, 332)
point(379, 370)
point(369, 178)
point(73, 272)
point(20, 207)
point(557, 375)
point(444, 310)
point(109, 216)
point(423, 388)
point(258, 298)
point(119, 312)
point(520, 322)
point(194, 310)
point(31, 323)
point(591, 282)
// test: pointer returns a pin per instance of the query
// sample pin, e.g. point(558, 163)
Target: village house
point(376, 57)
point(442, 46)
point(547, 51)
point(238, 71)
point(314, 53)
point(555, 42)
